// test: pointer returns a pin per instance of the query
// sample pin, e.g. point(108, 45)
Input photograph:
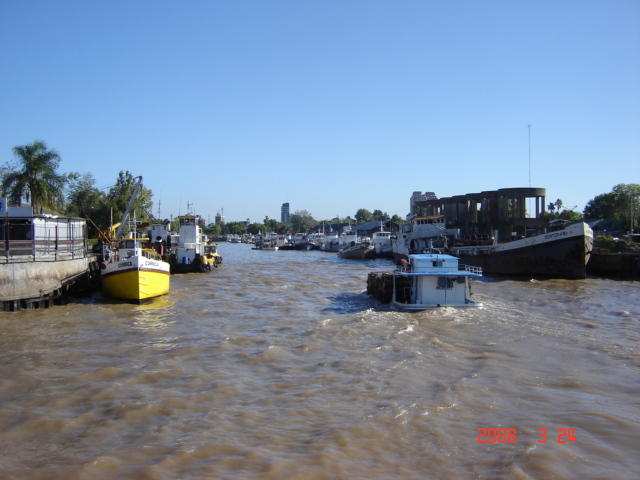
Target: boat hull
point(559, 254)
point(357, 253)
point(136, 279)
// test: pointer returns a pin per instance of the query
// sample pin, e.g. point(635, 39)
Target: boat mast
point(126, 213)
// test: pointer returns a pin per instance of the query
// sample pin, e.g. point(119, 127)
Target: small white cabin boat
point(382, 243)
point(432, 280)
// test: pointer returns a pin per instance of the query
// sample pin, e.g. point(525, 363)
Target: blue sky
point(329, 105)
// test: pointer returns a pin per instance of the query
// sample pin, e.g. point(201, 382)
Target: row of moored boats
point(348, 244)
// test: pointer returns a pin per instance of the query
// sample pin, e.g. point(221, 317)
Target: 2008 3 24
point(510, 435)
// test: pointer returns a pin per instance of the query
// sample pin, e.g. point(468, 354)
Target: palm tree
point(36, 180)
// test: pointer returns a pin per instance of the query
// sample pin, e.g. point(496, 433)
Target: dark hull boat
point(559, 254)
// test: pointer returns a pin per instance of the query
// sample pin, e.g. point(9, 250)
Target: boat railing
point(151, 254)
point(470, 269)
point(461, 268)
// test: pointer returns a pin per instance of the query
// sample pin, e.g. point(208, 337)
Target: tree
point(255, 228)
point(363, 215)
point(120, 194)
point(551, 207)
point(84, 200)
point(302, 221)
point(36, 180)
point(558, 205)
point(622, 204)
point(82, 196)
point(270, 224)
point(380, 216)
point(569, 215)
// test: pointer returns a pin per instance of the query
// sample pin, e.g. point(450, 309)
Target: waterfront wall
point(614, 265)
point(26, 284)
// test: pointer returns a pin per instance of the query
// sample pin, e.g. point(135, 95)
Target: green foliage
point(363, 215)
point(103, 210)
point(255, 228)
point(86, 201)
point(570, 215)
point(622, 204)
point(270, 224)
point(120, 194)
point(82, 195)
point(604, 243)
point(35, 179)
point(380, 216)
point(302, 221)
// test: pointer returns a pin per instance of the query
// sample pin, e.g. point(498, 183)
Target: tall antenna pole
point(529, 127)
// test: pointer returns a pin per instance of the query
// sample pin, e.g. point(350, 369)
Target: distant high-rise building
point(220, 216)
point(285, 216)
point(419, 197)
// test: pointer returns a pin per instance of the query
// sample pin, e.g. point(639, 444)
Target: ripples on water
point(278, 365)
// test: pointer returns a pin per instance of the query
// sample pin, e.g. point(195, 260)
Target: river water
point(277, 365)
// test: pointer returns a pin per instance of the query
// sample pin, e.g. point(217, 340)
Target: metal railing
point(63, 241)
point(470, 269)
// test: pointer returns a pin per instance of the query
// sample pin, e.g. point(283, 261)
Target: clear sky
point(330, 105)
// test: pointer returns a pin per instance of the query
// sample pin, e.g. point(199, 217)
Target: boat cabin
point(431, 280)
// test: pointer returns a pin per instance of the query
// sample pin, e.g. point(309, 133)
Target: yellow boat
point(128, 271)
point(133, 273)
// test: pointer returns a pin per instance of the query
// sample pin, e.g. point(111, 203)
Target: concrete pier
point(42, 257)
point(41, 284)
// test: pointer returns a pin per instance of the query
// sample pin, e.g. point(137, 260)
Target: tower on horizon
point(285, 216)
point(219, 217)
point(419, 197)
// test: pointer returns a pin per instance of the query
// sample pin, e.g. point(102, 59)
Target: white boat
point(420, 234)
point(268, 241)
point(382, 244)
point(330, 242)
point(193, 252)
point(427, 281)
point(358, 251)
